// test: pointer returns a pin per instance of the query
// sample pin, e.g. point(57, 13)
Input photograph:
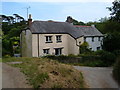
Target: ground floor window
point(46, 51)
point(98, 48)
point(58, 51)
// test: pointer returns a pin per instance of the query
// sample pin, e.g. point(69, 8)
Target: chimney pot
point(29, 20)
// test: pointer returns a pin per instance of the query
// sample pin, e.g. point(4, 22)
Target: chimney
point(69, 19)
point(29, 20)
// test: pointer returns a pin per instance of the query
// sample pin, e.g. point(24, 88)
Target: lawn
point(47, 73)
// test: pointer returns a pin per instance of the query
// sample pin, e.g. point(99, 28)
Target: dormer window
point(48, 39)
point(58, 38)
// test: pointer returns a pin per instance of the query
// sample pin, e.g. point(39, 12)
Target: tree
point(11, 34)
point(11, 19)
point(75, 22)
point(115, 11)
point(111, 42)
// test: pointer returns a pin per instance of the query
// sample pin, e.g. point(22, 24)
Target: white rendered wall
point(94, 44)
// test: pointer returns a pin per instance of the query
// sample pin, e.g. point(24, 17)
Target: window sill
point(49, 42)
point(58, 41)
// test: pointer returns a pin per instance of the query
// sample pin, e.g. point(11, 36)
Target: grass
point(47, 73)
point(0, 59)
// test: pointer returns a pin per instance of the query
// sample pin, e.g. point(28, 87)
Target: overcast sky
point(81, 10)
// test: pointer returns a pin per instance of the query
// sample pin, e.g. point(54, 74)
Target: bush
point(116, 70)
point(117, 52)
point(108, 58)
point(7, 56)
point(84, 48)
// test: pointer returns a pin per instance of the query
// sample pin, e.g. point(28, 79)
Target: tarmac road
point(13, 78)
point(98, 77)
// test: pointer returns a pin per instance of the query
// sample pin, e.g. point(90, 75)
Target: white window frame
point(46, 51)
point(58, 38)
point(59, 51)
point(48, 39)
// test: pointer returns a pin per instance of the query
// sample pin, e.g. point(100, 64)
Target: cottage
point(56, 38)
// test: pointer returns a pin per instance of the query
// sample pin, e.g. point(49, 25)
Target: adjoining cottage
point(57, 38)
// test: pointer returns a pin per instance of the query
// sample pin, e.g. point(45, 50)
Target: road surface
point(98, 77)
point(13, 78)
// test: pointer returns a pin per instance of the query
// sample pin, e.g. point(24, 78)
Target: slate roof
point(46, 27)
point(88, 31)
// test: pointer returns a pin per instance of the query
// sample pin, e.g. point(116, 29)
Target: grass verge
point(47, 73)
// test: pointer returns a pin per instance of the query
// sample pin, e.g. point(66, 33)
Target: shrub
point(84, 48)
point(116, 70)
point(108, 58)
point(117, 52)
point(7, 56)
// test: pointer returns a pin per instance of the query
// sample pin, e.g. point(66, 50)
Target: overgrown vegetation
point(116, 70)
point(99, 58)
point(46, 73)
point(11, 29)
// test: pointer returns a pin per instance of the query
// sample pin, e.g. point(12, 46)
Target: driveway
point(13, 78)
point(98, 77)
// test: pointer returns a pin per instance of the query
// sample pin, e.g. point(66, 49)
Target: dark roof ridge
point(48, 21)
point(81, 26)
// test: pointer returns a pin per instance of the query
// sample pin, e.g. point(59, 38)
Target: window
point(98, 48)
point(92, 39)
point(90, 48)
point(58, 51)
point(84, 39)
point(48, 39)
point(98, 38)
point(58, 38)
point(46, 51)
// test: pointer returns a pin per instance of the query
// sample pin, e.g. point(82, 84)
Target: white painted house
point(57, 38)
point(92, 36)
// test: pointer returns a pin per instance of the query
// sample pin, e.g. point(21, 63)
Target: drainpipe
point(78, 45)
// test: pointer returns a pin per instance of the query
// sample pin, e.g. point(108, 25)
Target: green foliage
point(111, 42)
point(84, 48)
point(116, 70)
point(111, 27)
point(42, 72)
point(115, 11)
point(75, 22)
point(39, 79)
point(11, 35)
point(107, 58)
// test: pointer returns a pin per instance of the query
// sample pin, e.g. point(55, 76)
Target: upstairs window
point(46, 51)
point(58, 38)
point(84, 39)
point(92, 39)
point(98, 38)
point(48, 39)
